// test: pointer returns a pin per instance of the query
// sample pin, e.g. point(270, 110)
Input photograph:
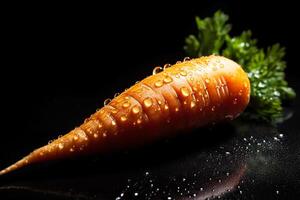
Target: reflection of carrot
point(187, 95)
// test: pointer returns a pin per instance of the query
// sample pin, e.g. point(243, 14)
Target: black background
point(61, 61)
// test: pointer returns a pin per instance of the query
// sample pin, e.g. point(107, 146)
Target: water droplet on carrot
point(177, 76)
point(71, 150)
point(158, 83)
point(193, 104)
point(138, 121)
point(184, 91)
point(157, 70)
point(135, 110)
point(167, 66)
point(183, 73)
point(148, 102)
point(95, 135)
point(178, 62)
point(186, 59)
point(168, 79)
point(104, 134)
point(99, 125)
point(213, 108)
point(235, 101)
point(184, 102)
point(117, 94)
point(106, 101)
point(60, 146)
point(123, 118)
point(176, 109)
point(230, 117)
point(126, 104)
point(207, 81)
point(113, 123)
point(166, 107)
point(240, 92)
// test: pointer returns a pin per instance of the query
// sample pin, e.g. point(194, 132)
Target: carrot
point(186, 95)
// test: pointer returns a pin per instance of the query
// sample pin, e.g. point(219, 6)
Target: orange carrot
point(186, 95)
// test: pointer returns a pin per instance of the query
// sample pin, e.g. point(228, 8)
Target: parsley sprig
point(265, 67)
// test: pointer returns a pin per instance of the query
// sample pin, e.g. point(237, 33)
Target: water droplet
point(235, 101)
point(166, 107)
point(227, 153)
point(123, 118)
point(71, 150)
point(230, 117)
point(227, 174)
point(213, 108)
point(60, 146)
point(184, 102)
point(168, 79)
point(207, 80)
point(136, 194)
point(241, 192)
point(135, 110)
point(281, 135)
point(201, 189)
point(177, 76)
point(240, 92)
point(126, 104)
point(117, 94)
point(176, 109)
point(167, 66)
point(186, 59)
point(276, 139)
point(104, 134)
point(178, 62)
point(113, 122)
point(158, 83)
point(100, 125)
point(106, 101)
point(138, 121)
point(193, 104)
point(183, 73)
point(137, 82)
point(169, 198)
point(184, 91)
point(148, 102)
point(75, 137)
point(277, 192)
point(147, 173)
point(95, 135)
point(157, 70)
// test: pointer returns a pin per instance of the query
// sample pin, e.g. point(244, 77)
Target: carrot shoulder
point(187, 95)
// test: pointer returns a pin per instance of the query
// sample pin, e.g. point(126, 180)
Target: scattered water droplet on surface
point(117, 94)
point(207, 81)
point(113, 123)
point(281, 135)
point(213, 108)
point(95, 135)
point(136, 194)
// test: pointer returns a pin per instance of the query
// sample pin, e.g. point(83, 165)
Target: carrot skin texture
point(185, 96)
